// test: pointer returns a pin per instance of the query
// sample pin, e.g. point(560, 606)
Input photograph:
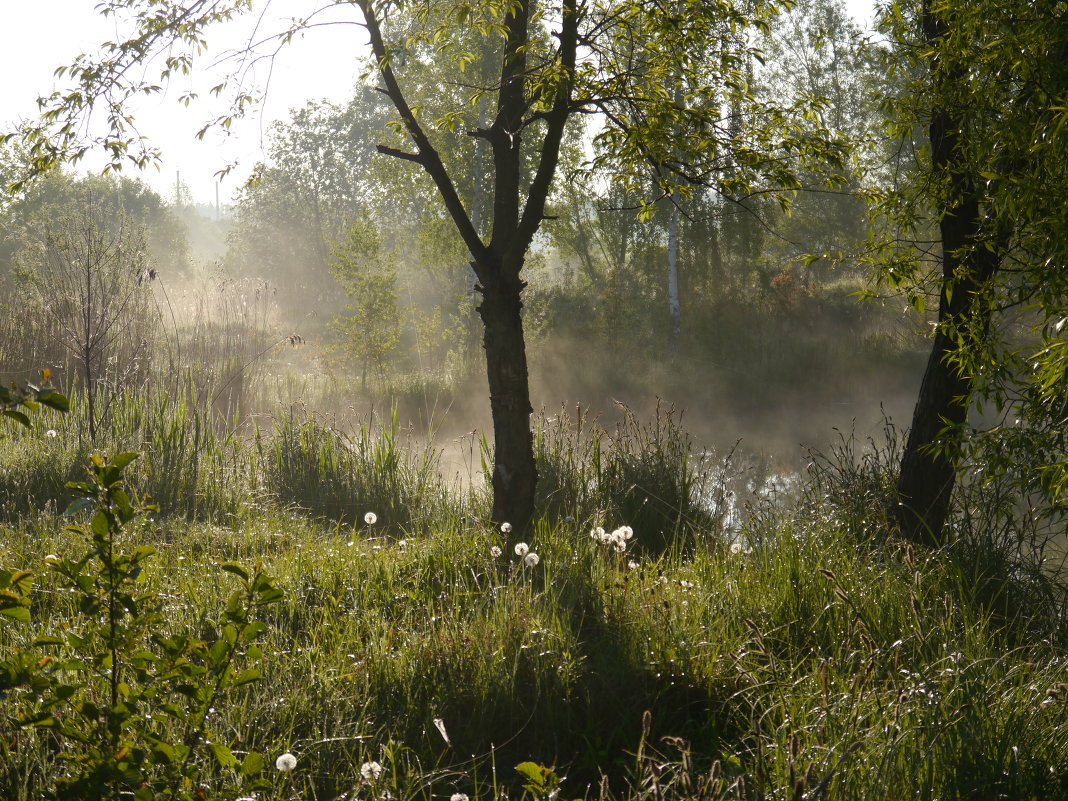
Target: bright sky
point(38, 36)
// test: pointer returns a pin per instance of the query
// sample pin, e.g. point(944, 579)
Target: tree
point(987, 86)
point(556, 63)
point(371, 327)
point(90, 276)
point(316, 180)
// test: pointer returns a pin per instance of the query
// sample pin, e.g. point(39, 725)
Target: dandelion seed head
point(597, 533)
point(506, 528)
point(370, 518)
point(370, 771)
point(531, 559)
point(495, 551)
point(459, 797)
point(521, 549)
point(51, 433)
point(286, 762)
point(736, 547)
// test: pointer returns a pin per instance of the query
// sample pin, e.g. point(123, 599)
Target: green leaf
point(120, 462)
point(223, 755)
point(253, 764)
point(53, 400)
point(20, 580)
point(77, 505)
point(236, 569)
point(246, 677)
point(19, 613)
point(17, 416)
point(99, 524)
point(163, 754)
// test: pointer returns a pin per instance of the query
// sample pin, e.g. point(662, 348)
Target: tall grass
point(646, 475)
point(807, 669)
point(814, 658)
point(190, 466)
point(337, 476)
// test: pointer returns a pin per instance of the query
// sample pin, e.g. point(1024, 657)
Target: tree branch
point(534, 210)
point(427, 157)
point(400, 154)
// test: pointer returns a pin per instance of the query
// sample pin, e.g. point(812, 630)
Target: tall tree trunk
point(514, 471)
point(674, 307)
point(970, 258)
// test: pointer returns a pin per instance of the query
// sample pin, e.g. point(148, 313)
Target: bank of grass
point(807, 667)
point(802, 657)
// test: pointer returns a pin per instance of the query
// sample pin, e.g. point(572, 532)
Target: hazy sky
point(36, 37)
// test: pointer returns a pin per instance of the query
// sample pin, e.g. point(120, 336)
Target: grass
point(822, 662)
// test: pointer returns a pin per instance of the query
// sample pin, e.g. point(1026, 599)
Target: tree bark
point(514, 473)
point(971, 253)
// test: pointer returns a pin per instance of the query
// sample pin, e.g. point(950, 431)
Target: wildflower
point(51, 433)
point(736, 547)
point(286, 762)
point(370, 771)
point(633, 565)
point(495, 551)
point(597, 533)
point(370, 518)
point(506, 528)
point(459, 797)
point(623, 533)
point(521, 549)
point(531, 559)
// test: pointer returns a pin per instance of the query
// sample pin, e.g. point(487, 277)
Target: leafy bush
point(119, 697)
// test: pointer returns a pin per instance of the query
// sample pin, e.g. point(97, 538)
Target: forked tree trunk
point(514, 471)
point(497, 263)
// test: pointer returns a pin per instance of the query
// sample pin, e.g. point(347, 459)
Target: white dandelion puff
point(521, 549)
point(286, 762)
point(531, 559)
point(459, 797)
point(370, 771)
point(51, 433)
point(506, 528)
point(370, 518)
point(736, 547)
point(495, 551)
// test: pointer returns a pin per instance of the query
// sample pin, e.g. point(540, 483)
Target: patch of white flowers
point(618, 540)
point(370, 771)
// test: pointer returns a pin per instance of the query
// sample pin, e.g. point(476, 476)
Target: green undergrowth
point(789, 653)
point(803, 667)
